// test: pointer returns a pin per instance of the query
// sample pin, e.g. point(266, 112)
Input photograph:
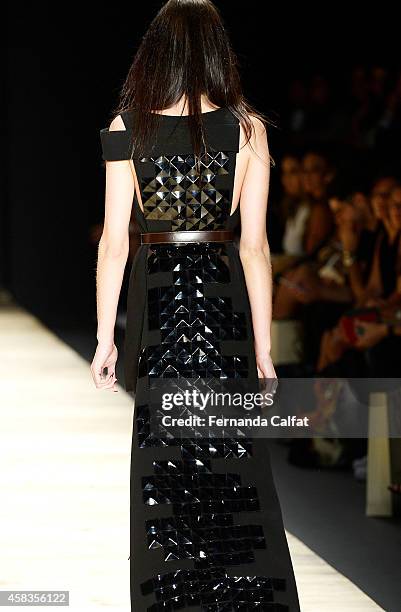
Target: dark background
point(64, 68)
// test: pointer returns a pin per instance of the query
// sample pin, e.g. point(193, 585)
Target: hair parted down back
point(186, 53)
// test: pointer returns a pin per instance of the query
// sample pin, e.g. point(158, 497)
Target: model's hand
point(265, 366)
point(266, 374)
point(105, 357)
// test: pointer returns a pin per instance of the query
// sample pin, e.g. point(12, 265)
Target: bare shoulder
point(257, 137)
point(258, 125)
point(117, 124)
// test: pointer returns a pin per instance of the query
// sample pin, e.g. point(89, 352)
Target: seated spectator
point(318, 173)
point(348, 253)
point(318, 278)
point(357, 226)
point(294, 208)
point(320, 290)
point(292, 197)
point(304, 216)
point(381, 337)
point(382, 279)
point(308, 224)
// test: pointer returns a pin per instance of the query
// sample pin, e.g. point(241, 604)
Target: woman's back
point(169, 185)
point(177, 196)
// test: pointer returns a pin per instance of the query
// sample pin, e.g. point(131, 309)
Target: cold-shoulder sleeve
point(116, 144)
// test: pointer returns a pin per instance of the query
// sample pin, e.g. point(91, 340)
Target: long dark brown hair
point(185, 53)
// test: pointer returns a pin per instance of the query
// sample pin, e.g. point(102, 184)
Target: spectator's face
point(336, 205)
point(344, 212)
point(380, 197)
point(394, 208)
point(360, 202)
point(291, 176)
point(316, 175)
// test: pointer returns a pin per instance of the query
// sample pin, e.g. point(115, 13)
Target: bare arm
point(254, 248)
point(112, 258)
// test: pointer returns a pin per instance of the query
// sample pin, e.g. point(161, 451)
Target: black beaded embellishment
point(192, 324)
point(203, 504)
point(214, 591)
point(174, 189)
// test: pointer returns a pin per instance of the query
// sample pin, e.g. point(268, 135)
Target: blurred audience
point(373, 327)
point(348, 289)
point(335, 237)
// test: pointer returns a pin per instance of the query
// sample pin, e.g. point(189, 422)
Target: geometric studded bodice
point(174, 190)
point(177, 195)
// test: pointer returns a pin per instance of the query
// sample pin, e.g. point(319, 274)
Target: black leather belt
point(188, 236)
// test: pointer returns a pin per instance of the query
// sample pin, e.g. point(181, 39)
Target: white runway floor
point(64, 482)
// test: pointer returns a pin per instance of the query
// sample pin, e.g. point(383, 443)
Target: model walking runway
point(206, 526)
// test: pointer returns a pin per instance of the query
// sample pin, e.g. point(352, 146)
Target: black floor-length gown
point(206, 525)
